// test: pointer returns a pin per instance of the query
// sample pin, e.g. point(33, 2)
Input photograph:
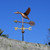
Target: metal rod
point(22, 21)
point(22, 36)
point(22, 29)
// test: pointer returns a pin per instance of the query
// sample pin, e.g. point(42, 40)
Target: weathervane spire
point(24, 15)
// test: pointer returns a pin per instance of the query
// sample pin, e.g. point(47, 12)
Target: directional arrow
point(31, 22)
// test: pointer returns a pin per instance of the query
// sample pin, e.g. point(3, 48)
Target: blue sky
point(40, 14)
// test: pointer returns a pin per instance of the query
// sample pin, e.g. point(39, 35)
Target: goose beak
point(16, 12)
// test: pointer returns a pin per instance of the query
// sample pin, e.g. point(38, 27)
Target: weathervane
point(24, 15)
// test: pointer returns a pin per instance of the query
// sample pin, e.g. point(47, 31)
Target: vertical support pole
point(22, 36)
point(22, 29)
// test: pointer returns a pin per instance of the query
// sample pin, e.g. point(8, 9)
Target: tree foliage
point(1, 32)
point(3, 35)
point(48, 38)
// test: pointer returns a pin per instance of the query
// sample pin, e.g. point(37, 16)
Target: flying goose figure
point(25, 15)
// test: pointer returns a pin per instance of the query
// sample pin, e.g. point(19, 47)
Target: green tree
point(48, 38)
point(1, 32)
point(3, 35)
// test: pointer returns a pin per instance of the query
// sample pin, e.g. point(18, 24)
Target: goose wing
point(27, 11)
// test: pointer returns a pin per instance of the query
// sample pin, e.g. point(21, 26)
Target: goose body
point(24, 14)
